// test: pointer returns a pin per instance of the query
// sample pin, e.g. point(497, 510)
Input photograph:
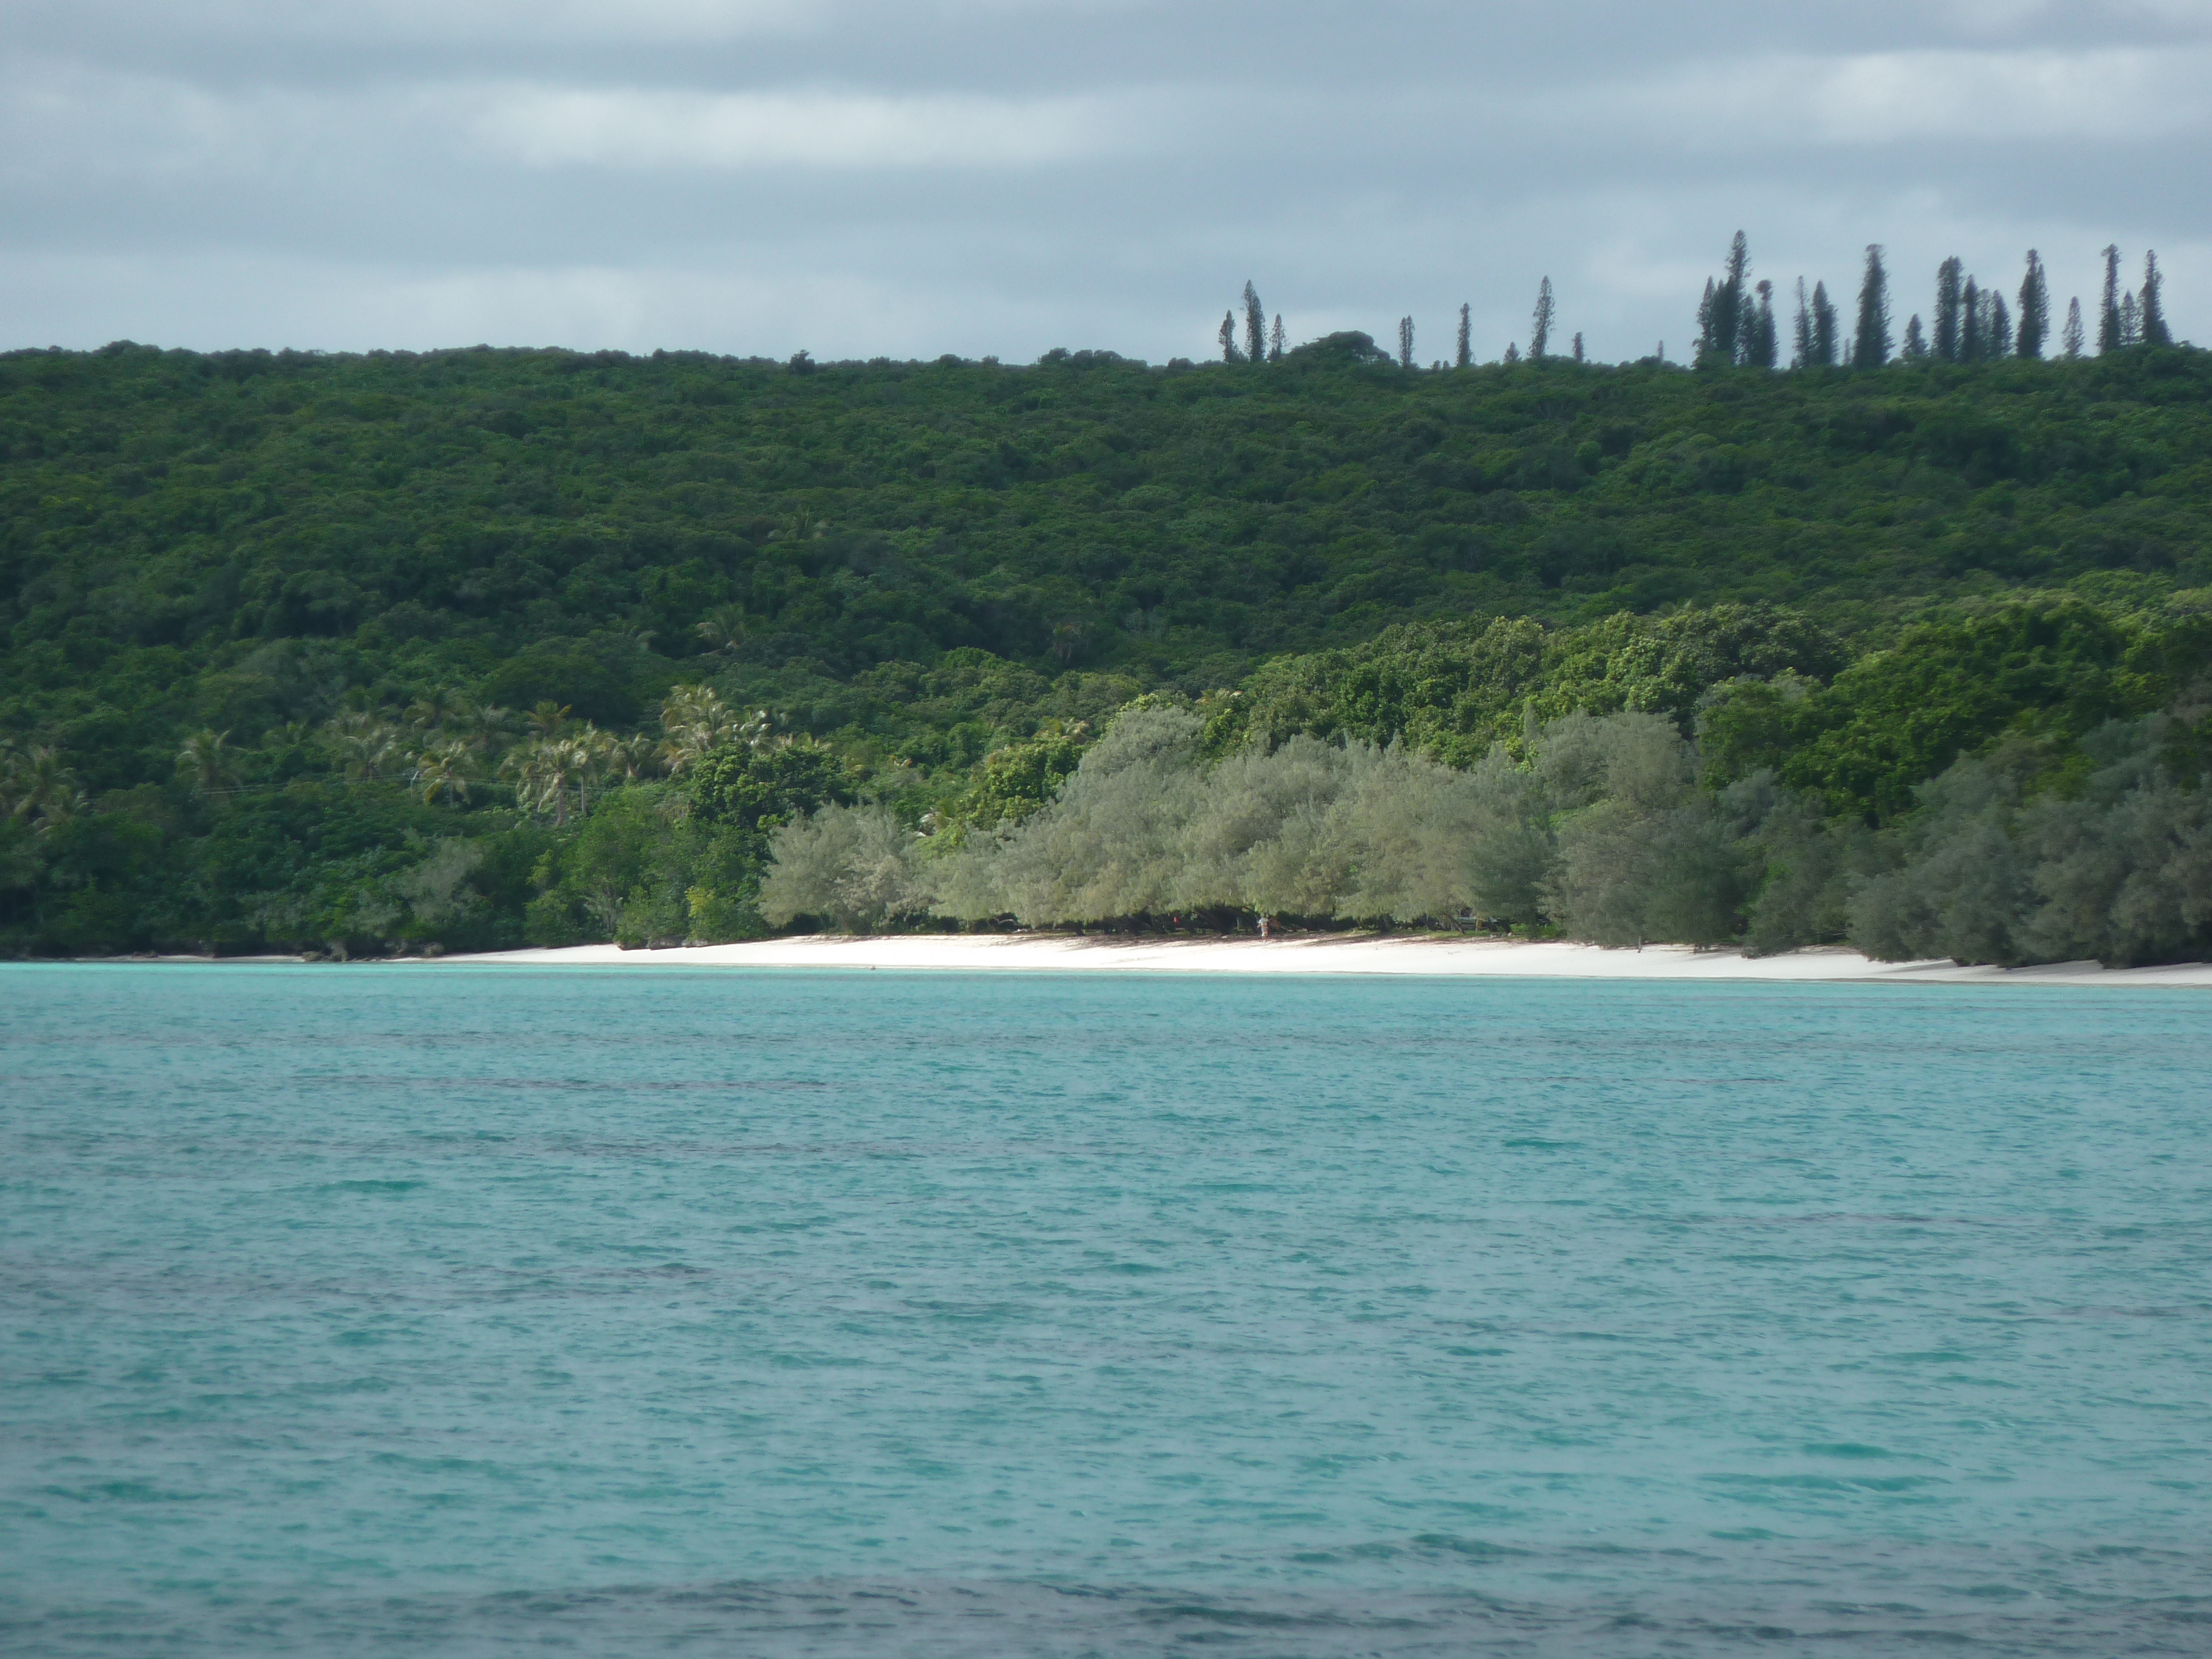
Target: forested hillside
point(364, 651)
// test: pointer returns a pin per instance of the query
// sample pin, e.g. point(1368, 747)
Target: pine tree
point(2073, 340)
point(1871, 350)
point(1761, 347)
point(1466, 354)
point(1405, 343)
point(2154, 331)
point(1276, 340)
point(1578, 345)
point(1720, 317)
point(1997, 331)
point(2108, 320)
point(1512, 351)
point(1970, 324)
point(1824, 327)
point(1802, 357)
point(1540, 331)
point(1916, 343)
point(2130, 322)
point(1255, 325)
point(2034, 308)
point(1230, 353)
point(1947, 277)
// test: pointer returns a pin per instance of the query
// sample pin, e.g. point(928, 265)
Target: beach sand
point(1326, 954)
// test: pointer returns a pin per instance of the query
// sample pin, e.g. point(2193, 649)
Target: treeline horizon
point(1737, 326)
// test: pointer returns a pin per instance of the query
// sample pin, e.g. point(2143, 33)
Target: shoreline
point(1388, 956)
point(1326, 954)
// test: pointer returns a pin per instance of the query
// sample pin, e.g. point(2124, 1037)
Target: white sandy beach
point(1327, 954)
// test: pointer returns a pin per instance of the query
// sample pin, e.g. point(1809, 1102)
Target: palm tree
point(695, 722)
point(544, 769)
point(723, 628)
point(368, 745)
point(35, 786)
point(207, 760)
point(634, 758)
point(549, 718)
point(444, 768)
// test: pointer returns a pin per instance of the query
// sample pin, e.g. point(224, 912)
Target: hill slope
point(925, 562)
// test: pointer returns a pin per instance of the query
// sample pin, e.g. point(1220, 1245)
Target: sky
point(1000, 176)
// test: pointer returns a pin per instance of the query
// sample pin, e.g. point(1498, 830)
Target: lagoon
point(457, 1311)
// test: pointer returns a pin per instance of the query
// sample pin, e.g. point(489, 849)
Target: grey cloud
point(1005, 175)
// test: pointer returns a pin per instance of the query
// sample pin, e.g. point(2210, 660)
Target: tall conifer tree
point(1873, 339)
point(1949, 276)
point(1276, 340)
point(1997, 331)
point(1720, 313)
point(2130, 321)
point(2073, 339)
point(1255, 325)
point(1916, 343)
point(1802, 356)
point(1539, 323)
point(2154, 329)
point(2108, 318)
point(1970, 323)
point(1824, 327)
point(1405, 343)
point(1466, 354)
point(2034, 308)
point(1760, 346)
point(1578, 345)
point(1230, 353)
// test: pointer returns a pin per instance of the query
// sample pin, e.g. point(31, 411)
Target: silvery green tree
point(852, 868)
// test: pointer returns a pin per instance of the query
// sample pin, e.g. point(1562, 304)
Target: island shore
point(1324, 954)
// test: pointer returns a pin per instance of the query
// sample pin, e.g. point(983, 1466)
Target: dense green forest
point(372, 653)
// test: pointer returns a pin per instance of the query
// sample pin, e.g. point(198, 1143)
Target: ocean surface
point(435, 1311)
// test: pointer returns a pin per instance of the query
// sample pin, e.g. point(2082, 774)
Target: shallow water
point(440, 1311)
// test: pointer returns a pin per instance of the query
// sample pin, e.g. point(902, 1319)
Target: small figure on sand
point(1266, 927)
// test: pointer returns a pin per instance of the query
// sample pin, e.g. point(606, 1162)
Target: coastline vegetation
point(359, 654)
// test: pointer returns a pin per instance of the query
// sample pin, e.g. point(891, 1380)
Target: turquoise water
point(383, 1310)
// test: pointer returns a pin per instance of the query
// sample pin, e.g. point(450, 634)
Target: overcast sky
point(860, 178)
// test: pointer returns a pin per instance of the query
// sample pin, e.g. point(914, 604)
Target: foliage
point(383, 653)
